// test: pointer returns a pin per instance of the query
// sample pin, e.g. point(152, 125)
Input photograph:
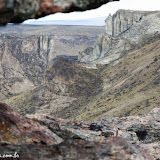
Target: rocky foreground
point(40, 137)
point(121, 79)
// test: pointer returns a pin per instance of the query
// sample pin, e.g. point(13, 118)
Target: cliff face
point(23, 62)
point(25, 52)
point(16, 11)
point(106, 46)
point(122, 20)
point(124, 30)
point(130, 24)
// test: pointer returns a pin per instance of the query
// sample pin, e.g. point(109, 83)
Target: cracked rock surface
point(40, 137)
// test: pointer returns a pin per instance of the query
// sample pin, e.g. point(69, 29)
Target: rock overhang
point(16, 11)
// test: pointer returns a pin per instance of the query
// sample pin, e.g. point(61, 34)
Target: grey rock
point(108, 47)
point(23, 62)
point(139, 125)
point(131, 24)
point(126, 30)
point(122, 20)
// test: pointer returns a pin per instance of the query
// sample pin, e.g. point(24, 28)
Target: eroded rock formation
point(24, 57)
point(123, 20)
point(107, 46)
point(43, 137)
point(23, 62)
point(17, 130)
point(16, 11)
point(125, 30)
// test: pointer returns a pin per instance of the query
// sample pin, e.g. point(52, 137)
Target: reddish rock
point(15, 129)
point(16, 11)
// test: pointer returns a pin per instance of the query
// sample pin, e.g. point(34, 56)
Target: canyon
point(26, 52)
point(126, 30)
point(118, 76)
point(94, 88)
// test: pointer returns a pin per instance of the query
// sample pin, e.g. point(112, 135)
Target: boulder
point(17, 130)
point(41, 137)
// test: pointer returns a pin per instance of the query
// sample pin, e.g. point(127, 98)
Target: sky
point(96, 16)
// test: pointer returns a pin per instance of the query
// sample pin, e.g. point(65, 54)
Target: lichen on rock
point(16, 11)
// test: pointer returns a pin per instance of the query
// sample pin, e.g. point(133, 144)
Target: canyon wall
point(16, 11)
point(23, 62)
point(26, 52)
point(129, 23)
point(125, 30)
point(122, 20)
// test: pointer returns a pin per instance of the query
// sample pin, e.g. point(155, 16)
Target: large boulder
point(41, 137)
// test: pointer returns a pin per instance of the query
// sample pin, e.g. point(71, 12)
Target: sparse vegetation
point(131, 86)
